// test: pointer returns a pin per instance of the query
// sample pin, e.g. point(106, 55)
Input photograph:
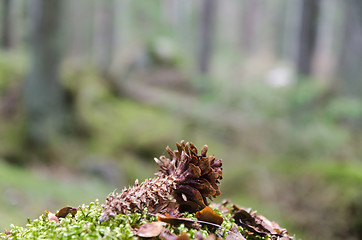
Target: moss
point(85, 225)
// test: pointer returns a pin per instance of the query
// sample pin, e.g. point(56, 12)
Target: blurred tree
point(103, 35)
point(350, 60)
point(78, 30)
point(44, 97)
point(206, 34)
point(307, 36)
point(6, 25)
point(248, 24)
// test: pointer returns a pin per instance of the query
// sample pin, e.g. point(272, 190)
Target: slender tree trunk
point(5, 28)
point(103, 37)
point(43, 95)
point(248, 27)
point(206, 34)
point(350, 60)
point(307, 36)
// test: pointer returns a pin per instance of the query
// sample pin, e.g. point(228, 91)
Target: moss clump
point(85, 225)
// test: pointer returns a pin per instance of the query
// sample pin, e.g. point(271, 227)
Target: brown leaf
point(244, 217)
point(259, 224)
point(148, 230)
point(62, 213)
point(234, 233)
point(208, 215)
point(7, 232)
point(198, 236)
point(272, 227)
point(183, 236)
point(174, 221)
point(213, 237)
point(51, 217)
point(167, 235)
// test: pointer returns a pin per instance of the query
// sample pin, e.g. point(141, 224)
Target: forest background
point(92, 91)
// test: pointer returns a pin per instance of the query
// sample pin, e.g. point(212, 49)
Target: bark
point(5, 28)
point(351, 52)
point(307, 36)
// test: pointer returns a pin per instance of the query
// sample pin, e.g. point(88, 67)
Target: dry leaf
point(234, 233)
point(244, 217)
point(167, 235)
point(258, 224)
point(198, 236)
point(208, 215)
point(62, 213)
point(148, 230)
point(212, 237)
point(183, 236)
point(51, 217)
point(175, 221)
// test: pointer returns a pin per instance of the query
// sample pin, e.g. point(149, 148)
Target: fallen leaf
point(183, 236)
point(51, 217)
point(212, 237)
point(174, 221)
point(244, 217)
point(259, 224)
point(198, 236)
point(234, 233)
point(148, 230)
point(208, 215)
point(167, 235)
point(62, 213)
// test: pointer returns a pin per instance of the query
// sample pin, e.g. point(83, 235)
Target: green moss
point(85, 225)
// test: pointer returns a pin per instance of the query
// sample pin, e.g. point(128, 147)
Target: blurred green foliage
point(12, 69)
point(29, 193)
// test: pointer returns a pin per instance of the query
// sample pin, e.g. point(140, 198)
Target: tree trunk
point(206, 34)
point(307, 36)
point(103, 34)
point(248, 28)
point(350, 60)
point(5, 28)
point(43, 95)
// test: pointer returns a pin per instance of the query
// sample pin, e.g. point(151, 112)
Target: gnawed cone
point(185, 181)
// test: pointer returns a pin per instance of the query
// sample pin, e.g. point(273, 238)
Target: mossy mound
point(85, 224)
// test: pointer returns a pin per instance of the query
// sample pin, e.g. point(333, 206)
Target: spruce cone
point(184, 182)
